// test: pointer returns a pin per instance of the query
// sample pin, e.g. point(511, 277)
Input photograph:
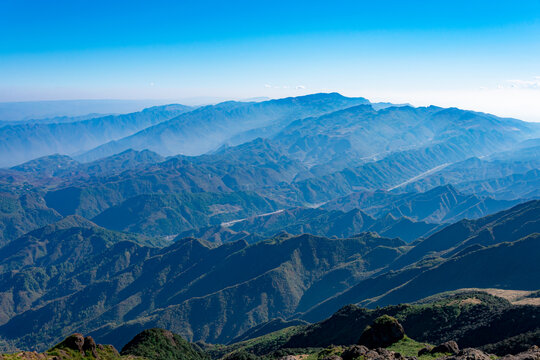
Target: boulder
point(90, 346)
point(74, 342)
point(469, 354)
point(354, 352)
point(384, 331)
point(449, 347)
point(532, 354)
point(425, 350)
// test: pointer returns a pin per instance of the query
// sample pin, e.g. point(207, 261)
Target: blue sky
point(482, 55)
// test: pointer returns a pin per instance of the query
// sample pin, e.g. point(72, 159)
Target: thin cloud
point(524, 84)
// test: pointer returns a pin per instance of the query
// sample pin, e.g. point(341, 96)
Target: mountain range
point(266, 220)
point(62, 273)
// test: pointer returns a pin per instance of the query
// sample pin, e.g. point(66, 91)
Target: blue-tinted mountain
point(321, 222)
point(469, 253)
point(21, 213)
point(27, 141)
point(168, 214)
point(440, 204)
point(209, 127)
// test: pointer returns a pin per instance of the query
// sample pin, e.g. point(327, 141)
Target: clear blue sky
point(482, 55)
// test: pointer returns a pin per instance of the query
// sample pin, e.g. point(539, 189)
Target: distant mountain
point(22, 213)
point(440, 204)
point(65, 168)
point(27, 141)
point(246, 167)
point(24, 111)
point(321, 222)
point(524, 158)
point(53, 120)
point(209, 127)
point(361, 134)
point(160, 214)
point(515, 186)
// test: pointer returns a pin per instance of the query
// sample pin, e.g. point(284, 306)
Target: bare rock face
point(384, 331)
point(450, 347)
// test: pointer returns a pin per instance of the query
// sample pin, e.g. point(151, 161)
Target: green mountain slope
point(160, 214)
point(440, 204)
point(317, 221)
point(197, 290)
point(453, 256)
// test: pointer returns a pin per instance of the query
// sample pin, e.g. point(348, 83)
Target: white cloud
point(300, 87)
point(524, 84)
point(268, 86)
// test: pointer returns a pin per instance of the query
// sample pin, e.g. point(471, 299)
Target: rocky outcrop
point(425, 350)
point(354, 352)
point(469, 354)
point(90, 346)
point(384, 331)
point(532, 354)
point(73, 342)
point(449, 347)
point(81, 344)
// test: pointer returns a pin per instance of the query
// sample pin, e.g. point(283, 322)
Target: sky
point(479, 55)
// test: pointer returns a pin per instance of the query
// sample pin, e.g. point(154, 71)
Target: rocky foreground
point(384, 339)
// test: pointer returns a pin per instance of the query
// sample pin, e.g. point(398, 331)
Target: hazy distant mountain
point(360, 134)
point(34, 110)
point(53, 120)
point(27, 141)
point(209, 127)
point(523, 158)
point(515, 186)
